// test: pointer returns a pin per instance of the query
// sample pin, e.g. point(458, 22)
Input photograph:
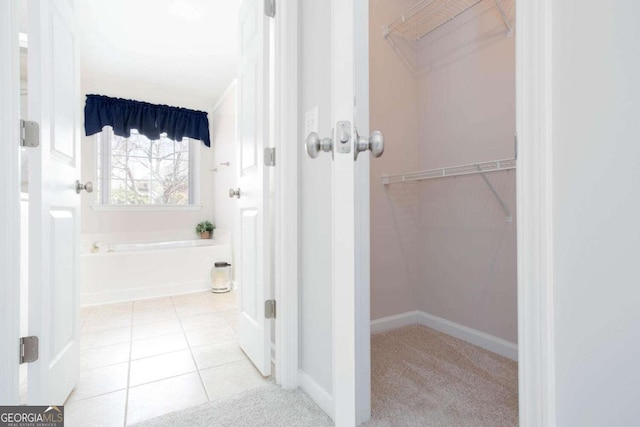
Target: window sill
point(146, 208)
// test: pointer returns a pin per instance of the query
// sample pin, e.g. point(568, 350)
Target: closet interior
point(443, 203)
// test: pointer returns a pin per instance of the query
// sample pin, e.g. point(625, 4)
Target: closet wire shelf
point(429, 15)
point(470, 169)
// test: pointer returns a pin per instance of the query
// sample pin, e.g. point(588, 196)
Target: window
point(139, 171)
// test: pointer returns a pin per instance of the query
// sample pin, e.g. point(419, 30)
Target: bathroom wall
point(142, 225)
point(223, 142)
point(444, 246)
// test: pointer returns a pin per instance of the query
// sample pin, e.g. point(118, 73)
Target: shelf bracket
point(504, 18)
point(505, 208)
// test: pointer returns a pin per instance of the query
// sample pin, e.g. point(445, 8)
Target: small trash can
point(221, 277)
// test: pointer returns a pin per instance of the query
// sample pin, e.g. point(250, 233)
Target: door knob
point(234, 193)
point(375, 143)
point(88, 187)
point(314, 145)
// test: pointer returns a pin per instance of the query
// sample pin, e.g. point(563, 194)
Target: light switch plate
point(311, 121)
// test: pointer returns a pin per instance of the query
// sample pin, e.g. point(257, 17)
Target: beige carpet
point(266, 406)
point(420, 377)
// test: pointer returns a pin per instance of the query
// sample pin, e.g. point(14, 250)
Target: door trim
point(10, 211)
point(286, 193)
point(536, 351)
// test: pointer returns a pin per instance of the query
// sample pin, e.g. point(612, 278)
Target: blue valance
point(150, 120)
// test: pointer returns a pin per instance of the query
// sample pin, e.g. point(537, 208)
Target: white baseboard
point(133, 294)
point(472, 336)
point(394, 322)
point(319, 395)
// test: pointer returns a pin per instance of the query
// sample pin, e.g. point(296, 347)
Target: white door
point(54, 204)
point(251, 239)
point(349, 226)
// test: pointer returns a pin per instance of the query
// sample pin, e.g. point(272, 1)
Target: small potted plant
point(205, 229)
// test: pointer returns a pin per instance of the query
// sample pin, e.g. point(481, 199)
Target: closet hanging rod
point(429, 15)
point(470, 169)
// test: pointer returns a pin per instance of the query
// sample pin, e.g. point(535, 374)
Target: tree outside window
point(140, 171)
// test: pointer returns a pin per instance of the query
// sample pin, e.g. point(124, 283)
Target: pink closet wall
point(446, 241)
point(394, 111)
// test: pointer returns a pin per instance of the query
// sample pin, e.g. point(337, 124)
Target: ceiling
point(188, 46)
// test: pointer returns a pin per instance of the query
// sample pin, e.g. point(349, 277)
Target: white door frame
point(534, 178)
point(534, 175)
point(286, 193)
point(10, 211)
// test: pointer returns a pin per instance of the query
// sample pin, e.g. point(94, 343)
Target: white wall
point(315, 200)
point(147, 225)
point(444, 246)
point(596, 204)
point(223, 142)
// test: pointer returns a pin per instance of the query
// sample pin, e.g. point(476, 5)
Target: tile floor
point(143, 359)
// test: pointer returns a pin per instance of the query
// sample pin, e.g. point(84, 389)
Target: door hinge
point(270, 156)
point(28, 349)
point(29, 133)
point(270, 309)
point(270, 8)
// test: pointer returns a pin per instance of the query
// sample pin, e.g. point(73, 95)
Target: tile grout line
point(206, 392)
point(190, 348)
point(83, 399)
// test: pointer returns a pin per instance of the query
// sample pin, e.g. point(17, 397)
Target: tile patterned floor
point(143, 359)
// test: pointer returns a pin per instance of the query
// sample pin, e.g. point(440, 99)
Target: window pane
point(139, 146)
point(163, 148)
point(139, 192)
point(119, 171)
point(149, 172)
point(139, 169)
point(119, 146)
point(182, 146)
point(118, 192)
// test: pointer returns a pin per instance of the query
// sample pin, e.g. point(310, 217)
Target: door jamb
point(286, 193)
point(534, 192)
point(10, 211)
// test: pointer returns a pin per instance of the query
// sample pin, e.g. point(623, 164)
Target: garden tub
point(128, 271)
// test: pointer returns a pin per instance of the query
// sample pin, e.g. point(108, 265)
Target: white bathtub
point(131, 271)
point(127, 247)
